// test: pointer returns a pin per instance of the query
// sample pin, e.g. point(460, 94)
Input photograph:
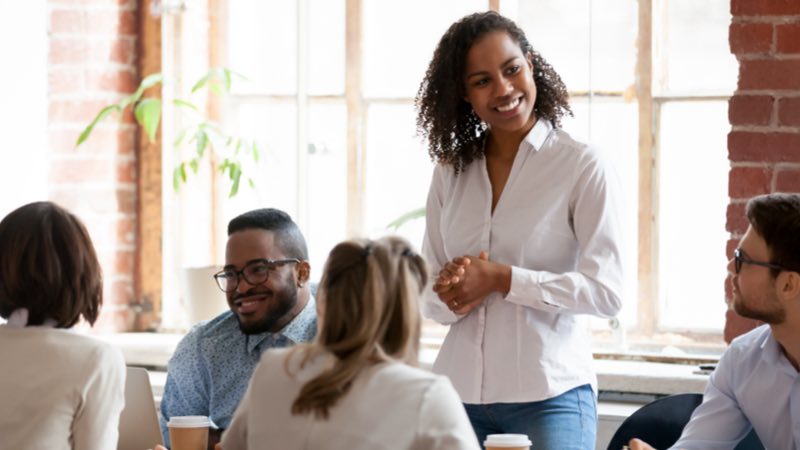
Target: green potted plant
point(196, 138)
point(204, 137)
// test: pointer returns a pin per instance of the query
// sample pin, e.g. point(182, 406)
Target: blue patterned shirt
point(210, 370)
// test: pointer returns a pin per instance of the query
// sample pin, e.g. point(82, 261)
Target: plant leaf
point(181, 136)
point(256, 153)
point(236, 176)
point(238, 75)
point(411, 215)
point(147, 82)
point(185, 104)
point(176, 179)
point(99, 117)
point(194, 164)
point(183, 172)
point(201, 82)
point(148, 114)
point(251, 183)
point(224, 165)
point(226, 78)
point(151, 80)
point(202, 141)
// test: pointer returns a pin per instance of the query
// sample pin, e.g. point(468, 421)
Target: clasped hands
point(464, 282)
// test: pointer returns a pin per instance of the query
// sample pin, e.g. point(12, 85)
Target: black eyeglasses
point(255, 272)
point(739, 258)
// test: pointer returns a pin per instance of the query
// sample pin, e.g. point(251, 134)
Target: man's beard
point(282, 303)
point(772, 313)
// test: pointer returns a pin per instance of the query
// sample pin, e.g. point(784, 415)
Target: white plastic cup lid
point(506, 440)
point(189, 422)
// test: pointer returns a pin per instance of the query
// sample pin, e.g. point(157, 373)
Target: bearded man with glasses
point(756, 384)
point(266, 281)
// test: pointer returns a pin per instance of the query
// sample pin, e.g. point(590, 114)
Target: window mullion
point(648, 249)
point(355, 118)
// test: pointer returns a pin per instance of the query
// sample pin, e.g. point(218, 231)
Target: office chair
point(660, 423)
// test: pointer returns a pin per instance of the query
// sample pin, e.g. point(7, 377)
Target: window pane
point(398, 171)
point(693, 197)
point(696, 53)
point(24, 163)
point(399, 39)
point(592, 45)
point(326, 27)
point(612, 126)
point(275, 175)
point(326, 179)
point(262, 45)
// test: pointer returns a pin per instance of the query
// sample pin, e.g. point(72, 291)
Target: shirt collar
point(770, 349)
point(301, 329)
point(535, 138)
point(772, 354)
point(19, 319)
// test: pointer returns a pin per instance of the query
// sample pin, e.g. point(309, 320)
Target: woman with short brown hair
point(60, 389)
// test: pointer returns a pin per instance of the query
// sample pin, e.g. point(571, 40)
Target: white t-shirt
point(59, 390)
point(389, 406)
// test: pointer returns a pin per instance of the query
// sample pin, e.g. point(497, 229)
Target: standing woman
point(59, 390)
point(522, 223)
point(355, 387)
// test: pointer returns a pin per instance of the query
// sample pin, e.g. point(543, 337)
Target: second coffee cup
point(507, 442)
point(188, 432)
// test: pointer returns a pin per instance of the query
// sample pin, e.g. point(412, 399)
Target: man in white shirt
point(756, 384)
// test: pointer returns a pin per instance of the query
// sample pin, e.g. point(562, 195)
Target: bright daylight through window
point(329, 96)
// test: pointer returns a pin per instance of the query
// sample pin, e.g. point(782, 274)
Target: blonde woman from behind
point(355, 386)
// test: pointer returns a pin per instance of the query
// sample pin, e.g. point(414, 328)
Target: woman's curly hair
point(454, 132)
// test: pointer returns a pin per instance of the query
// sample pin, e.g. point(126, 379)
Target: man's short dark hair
point(776, 218)
point(49, 266)
point(287, 235)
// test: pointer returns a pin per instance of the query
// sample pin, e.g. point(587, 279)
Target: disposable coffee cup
point(188, 432)
point(507, 442)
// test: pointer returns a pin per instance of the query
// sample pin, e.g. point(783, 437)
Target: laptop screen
point(138, 423)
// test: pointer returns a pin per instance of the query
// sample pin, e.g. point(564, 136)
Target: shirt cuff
point(526, 290)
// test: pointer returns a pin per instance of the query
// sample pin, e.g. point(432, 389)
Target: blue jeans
point(568, 421)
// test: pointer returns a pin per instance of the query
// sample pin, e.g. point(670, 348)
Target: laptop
point(138, 423)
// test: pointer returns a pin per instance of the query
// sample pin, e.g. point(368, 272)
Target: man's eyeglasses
point(739, 258)
point(255, 272)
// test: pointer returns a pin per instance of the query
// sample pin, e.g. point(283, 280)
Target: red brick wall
point(92, 61)
point(764, 142)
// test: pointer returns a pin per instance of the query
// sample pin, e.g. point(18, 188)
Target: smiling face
point(499, 83)
point(270, 305)
point(755, 292)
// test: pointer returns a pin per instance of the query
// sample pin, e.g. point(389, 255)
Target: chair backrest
point(661, 422)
